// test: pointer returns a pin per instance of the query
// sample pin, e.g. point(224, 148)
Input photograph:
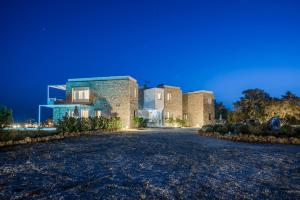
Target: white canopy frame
point(80, 106)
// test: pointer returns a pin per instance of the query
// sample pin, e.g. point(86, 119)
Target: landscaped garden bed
point(253, 133)
point(67, 127)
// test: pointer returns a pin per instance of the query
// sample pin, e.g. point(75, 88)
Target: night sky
point(223, 46)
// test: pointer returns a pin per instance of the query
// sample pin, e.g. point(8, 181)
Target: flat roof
point(199, 91)
point(169, 86)
point(107, 78)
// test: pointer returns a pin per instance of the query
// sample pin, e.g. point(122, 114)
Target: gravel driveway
point(157, 164)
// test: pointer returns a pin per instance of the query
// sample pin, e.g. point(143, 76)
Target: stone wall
point(174, 104)
point(113, 97)
point(198, 108)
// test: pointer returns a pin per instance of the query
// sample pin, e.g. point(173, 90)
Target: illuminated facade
point(120, 96)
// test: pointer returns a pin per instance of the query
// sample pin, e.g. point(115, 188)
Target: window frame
point(79, 94)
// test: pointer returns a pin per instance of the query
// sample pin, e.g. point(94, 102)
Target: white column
point(47, 94)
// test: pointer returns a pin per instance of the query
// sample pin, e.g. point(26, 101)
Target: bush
point(14, 135)
point(140, 122)
point(297, 131)
point(222, 129)
point(71, 124)
point(242, 129)
point(6, 117)
point(181, 122)
point(207, 128)
point(287, 131)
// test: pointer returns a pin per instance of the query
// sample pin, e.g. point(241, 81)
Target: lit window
point(81, 94)
point(97, 113)
point(169, 96)
point(84, 113)
point(135, 92)
point(209, 100)
point(159, 96)
point(168, 115)
point(71, 113)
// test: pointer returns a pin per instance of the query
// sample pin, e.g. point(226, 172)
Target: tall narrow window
point(84, 113)
point(185, 116)
point(168, 115)
point(159, 96)
point(97, 113)
point(209, 100)
point(81, 94)
point(135, 92)
point(209, 116)
point(169, 96)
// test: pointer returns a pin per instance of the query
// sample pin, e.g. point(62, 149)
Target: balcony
point(53, 100)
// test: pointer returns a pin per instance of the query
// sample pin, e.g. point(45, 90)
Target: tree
point(252, 104)
point(6, 117)
point(291, 97)
point(221, 112)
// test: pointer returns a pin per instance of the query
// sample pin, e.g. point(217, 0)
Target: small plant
point(140, 122)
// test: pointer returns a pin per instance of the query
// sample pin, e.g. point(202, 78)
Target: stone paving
point(156, 164)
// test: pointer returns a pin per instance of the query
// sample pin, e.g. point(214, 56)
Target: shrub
point(71, 124)
point(242, 129)
point(231, 128)
point(140, 122)
point(222, 129)
point(207, 128)
point(6, 117)
point(297, 132)
point(14, 135)
point(181, 122)
point(286, 131)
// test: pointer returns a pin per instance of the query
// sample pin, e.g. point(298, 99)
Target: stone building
point(99, 96)
point(198, 108)
point(120, 96)
point(172, 102)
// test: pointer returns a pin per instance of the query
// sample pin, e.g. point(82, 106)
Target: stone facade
point(120, 96)
point(113, 96)
point(198, 108)
point(172, 102)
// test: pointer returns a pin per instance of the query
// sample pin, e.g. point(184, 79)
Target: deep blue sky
point(224, 46)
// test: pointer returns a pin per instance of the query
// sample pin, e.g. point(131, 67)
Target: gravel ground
point(157, 164)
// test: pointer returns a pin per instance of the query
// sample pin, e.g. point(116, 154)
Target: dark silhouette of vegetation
point(14, 135)
point(257, 104)
point(6, 117)
point(221, 112)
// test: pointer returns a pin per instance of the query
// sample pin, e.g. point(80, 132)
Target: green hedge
point(259, 130)
point(71, 124)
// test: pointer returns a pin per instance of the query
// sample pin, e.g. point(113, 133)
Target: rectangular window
point(135, 92)
point(71, 113)
point(81, 94)
point(209, 116)
point(168, 115)
point(84, 113)
point(209, 100)
point(169, 96)
point(185, 116)
point(159, 96)
point(97, 113)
